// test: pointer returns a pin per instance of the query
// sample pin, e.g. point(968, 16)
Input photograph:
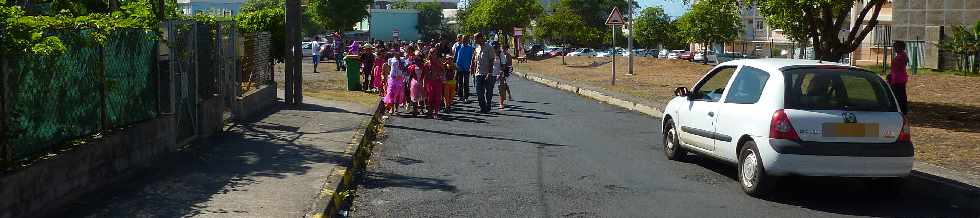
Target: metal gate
point(183, 67)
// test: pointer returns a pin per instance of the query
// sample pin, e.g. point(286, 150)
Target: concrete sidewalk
point(274, 166)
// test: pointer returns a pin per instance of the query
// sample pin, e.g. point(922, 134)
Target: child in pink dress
point(378, 80)
point(395, 95)
point(416, 91)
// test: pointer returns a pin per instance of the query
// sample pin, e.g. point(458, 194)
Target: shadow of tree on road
point(475, 136)
point(373, 180)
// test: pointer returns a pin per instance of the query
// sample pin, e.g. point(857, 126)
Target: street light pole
point(629, 38)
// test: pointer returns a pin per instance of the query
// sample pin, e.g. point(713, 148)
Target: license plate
point(850, 130)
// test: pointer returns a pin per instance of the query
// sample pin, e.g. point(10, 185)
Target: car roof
point(776, 64)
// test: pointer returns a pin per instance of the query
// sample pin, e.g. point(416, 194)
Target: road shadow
point(473, 136)
point(952, 117)
point(374, 180)
point(850, 196)
point(179, 185)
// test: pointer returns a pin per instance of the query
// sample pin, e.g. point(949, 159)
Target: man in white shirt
point(315, 49)
point(482, 68)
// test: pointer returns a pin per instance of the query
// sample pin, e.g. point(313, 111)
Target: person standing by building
point(504, 72)
point(464, 58)
point(898, 76)
point(367, 65)
point(482, 68)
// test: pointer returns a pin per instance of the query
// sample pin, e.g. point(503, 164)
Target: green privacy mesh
point(54, 99)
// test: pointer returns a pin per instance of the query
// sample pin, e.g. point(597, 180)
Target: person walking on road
point(449, 85)
point(367, 65)
point(482, 67)
point(506, 67)
point(416, 76)
point(435, 70)
point(898, 76)
point(378, 79)
point(395, 93)
point(464, 58)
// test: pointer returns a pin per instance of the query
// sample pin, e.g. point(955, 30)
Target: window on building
point(759, 25)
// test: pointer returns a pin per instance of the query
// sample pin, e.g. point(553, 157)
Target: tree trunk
point(6, 153)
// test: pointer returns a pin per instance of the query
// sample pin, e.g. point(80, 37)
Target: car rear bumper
point(777, 163)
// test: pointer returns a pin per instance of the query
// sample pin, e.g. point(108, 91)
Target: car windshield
point(813, 88)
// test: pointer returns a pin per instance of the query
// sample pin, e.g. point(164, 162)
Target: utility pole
point(629, 25)
point(293, 76)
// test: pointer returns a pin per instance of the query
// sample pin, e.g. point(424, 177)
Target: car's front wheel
point(751, 174)
point(672, 147)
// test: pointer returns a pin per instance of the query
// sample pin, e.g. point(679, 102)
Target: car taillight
point(781, 128)
point(906, 134)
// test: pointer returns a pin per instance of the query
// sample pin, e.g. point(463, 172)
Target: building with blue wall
point(382, 22)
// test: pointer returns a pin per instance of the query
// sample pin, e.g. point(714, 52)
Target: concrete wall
point(254, 102)
point(49, 184)
point(920, 19)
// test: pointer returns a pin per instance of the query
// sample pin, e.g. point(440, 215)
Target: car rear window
point(837, 89)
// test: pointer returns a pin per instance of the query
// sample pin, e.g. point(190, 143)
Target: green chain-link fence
point(89, 88)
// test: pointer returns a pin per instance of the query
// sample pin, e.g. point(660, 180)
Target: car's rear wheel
point(672, 147)
point(751, 174)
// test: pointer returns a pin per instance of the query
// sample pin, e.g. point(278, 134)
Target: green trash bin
point(353, 72)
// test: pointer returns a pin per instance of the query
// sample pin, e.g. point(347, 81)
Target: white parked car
point(673, 55)
point(586, 52)
point(777, 117)
point(603, 54)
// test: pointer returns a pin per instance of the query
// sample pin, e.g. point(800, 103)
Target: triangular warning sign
point(615, 18)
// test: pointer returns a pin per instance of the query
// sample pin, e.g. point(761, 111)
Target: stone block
point(935, 17)
point(954, 4)
point(954, 18)
point(915, 4)
point(934, 4)
point(972, 4)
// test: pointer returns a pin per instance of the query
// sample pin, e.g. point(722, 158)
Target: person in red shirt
point(898, 76)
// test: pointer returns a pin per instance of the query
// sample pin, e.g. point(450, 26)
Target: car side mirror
point(682, 92)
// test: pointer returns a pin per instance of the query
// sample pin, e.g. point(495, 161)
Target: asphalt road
point(554, 154)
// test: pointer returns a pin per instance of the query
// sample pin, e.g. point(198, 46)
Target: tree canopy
point(823, 22)
point(499, 15)
point(430, 24)
point(339, 15)
point(653, 27)
point(709, 22)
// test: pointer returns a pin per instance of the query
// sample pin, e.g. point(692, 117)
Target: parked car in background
point(780, 117)
point(729, 57)
point(534, 49)
point(559, 51)
point(672, 55)
point(663, 53)
point(604, 53)
point(582, 52)
point(687, 55)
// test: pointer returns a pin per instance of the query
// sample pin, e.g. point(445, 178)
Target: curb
point(593, 94)
point(925, 178)
point(341, 184)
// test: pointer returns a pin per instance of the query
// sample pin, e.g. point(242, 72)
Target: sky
point(674, 8)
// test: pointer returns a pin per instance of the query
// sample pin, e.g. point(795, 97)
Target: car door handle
point(711, 114)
